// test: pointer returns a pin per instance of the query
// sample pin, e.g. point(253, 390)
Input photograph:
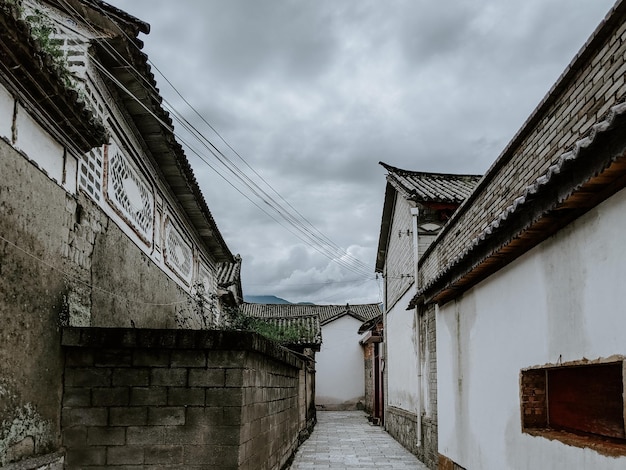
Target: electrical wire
point(86, 284)
point(304, 236)
point(303, 225)
point(63, 137)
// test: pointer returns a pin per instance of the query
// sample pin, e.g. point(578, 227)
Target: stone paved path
point(345, 440)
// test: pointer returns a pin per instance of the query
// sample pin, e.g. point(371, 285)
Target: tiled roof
point(32, 74)
point(431, 187)
point(307, 326)
point(120, 15)
point(326, 313)
point(151, 119)
point(229, 273)
point(581, 178)
point(419, 187)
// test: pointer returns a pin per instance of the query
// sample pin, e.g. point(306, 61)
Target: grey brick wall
point(399, 267)
point(594, 81)
point(178, 399)
point(430, 369)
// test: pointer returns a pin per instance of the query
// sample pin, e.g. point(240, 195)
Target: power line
point(304, 235)
point(313, 236)
point(295, 284)
point(86, 284)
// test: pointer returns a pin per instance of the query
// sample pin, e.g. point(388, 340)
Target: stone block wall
point(306, 397)
point(62, 263)
point(593, 82)
point(155, 399)
point(402, 425)
point(430, 370)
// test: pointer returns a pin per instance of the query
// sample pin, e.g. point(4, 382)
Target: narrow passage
point(345, 440)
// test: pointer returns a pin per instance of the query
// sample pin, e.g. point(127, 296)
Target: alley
point(345, 440)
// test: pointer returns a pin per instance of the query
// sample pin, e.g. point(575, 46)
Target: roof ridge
point(400, 171)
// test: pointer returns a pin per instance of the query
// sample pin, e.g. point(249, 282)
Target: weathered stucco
point(62, 263)
point(559, 302)
point(32, 292)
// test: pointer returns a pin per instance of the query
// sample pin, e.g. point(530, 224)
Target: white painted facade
point(561, 301)
point(119, 177)
point(402, 355)
point(340, 375)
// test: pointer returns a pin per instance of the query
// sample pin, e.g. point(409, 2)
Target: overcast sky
point(313, 94)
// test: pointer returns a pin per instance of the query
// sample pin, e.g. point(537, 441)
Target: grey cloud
point(314, 94)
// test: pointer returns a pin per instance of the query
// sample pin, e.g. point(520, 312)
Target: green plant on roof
point(291, 334)
point(43, 30)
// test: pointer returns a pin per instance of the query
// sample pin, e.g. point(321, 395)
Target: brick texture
point(400, 263)
point(583, 95)
point(189, 408)
point(446, 464)
point(534, 399)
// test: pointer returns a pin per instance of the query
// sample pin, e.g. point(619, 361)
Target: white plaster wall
point(6, 113)
point(402, 355)
point(339, 368)
point(563, 299)
point(39, 146)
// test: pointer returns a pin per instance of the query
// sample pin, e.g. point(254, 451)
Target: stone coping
point(144, 338)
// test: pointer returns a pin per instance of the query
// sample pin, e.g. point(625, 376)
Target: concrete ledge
point(88, 337)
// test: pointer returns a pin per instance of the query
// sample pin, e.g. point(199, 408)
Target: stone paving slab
point(345, 440)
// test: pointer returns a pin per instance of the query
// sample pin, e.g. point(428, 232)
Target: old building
point(416, 206)
point(374, 366)
point(525, 281)
point(340, 376)
point(102, 225)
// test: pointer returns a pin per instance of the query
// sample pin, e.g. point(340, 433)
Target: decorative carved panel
point(178, 252)
point(129, 193)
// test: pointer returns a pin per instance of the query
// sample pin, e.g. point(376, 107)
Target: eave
point(581, 179)
point(385, 225)
point(36, 79)
point(155, 127)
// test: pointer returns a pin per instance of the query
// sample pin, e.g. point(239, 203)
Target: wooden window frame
point(580, 403)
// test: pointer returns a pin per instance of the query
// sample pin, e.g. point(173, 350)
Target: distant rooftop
point(326, 313)
point(307, 327)
point(431, 187)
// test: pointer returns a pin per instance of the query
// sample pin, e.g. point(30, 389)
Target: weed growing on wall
point(43, 30)
point(280, 334)
point(201, 312)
